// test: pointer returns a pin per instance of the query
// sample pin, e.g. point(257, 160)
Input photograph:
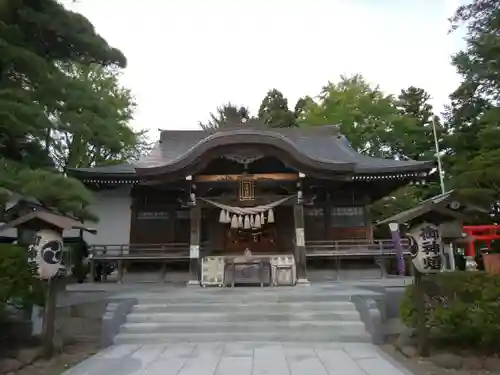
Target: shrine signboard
point(426, 248)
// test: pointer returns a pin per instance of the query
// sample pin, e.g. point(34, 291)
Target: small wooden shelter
point(29, 217)
point(449, 211)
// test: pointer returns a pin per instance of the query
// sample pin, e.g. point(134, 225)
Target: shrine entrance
point(258, 241)
point(258, 230)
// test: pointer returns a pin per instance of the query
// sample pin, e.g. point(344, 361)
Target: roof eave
point(424, 167)
point(437, 203)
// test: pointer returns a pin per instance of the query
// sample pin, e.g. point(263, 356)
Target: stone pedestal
point(470, 264)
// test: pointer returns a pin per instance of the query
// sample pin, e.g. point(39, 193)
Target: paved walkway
point(240, 359)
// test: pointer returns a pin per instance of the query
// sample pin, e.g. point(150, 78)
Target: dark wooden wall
point(156, 225)
point(324, 222)
point(285, 228)
point(158, 217)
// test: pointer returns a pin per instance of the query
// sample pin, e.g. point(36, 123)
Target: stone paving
point(240, 359)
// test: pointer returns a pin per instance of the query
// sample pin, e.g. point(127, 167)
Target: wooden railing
point(354, 248)
point(342, 248)
point(378, 250)
point(140, 251)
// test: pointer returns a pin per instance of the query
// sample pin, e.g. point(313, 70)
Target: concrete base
point(193, 283)
point(242, 358)
point(470, 264)
point(115, 315)
point(303, 282)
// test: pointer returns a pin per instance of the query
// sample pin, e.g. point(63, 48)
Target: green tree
point(274, 112)
point(473, 117)
point(300, 108)
point(413, 139)
point(36, 39)
point(380, 125)
point(367, 117)
point(92, 126)
point(225, 116)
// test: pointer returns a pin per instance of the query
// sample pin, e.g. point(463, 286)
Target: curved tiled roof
point(320, 148)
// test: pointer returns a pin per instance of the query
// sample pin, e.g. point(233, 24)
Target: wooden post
point(120, 271)
point(163, 272)
point(194, 246)
point(327, 216)
point(383, 259)
point(422, 334)
point(49, 317)
point(300, 248)
point(337, 258)
point(93, 270)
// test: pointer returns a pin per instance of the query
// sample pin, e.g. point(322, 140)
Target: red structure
point(484, 233)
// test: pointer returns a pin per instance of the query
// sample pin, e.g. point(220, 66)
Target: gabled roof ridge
point(334, 130)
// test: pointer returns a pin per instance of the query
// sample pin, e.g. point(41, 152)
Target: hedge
point(18, 286)
point(462, 309)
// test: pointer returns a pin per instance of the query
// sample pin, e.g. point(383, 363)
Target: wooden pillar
point(194, 245)
point(300, 248)
point(49, 319)
point(327, 216)
point(368, 220)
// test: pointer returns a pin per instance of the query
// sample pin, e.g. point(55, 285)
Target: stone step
point(281, 327)
point(257, 307)
point(241, 297)
point(243, 316)
point(201, 337)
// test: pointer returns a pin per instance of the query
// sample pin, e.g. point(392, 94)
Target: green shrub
point(461, 308)
point(18, 286)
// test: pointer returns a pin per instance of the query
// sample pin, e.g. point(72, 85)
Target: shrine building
point(254, 193)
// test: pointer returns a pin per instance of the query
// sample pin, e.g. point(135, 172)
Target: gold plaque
point(247, 190)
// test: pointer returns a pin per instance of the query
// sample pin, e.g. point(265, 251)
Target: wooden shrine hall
point(244, 205)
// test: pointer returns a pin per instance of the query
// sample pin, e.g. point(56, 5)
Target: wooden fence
point(354, 248)
point(380, 251)
point(326, 249)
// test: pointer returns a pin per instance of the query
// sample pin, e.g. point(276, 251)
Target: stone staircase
point(285, 314)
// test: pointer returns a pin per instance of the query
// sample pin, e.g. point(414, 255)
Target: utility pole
point(438, 156)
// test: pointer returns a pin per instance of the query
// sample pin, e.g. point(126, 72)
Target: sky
point(187, 57)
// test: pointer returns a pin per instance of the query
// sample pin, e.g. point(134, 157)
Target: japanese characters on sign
point(426, 248)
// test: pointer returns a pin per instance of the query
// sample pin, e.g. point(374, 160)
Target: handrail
point(140, 251)
point(180, 250)
point(349, 248)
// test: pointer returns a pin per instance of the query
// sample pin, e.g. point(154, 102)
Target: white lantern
point(426, 248)
point(47, 253)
